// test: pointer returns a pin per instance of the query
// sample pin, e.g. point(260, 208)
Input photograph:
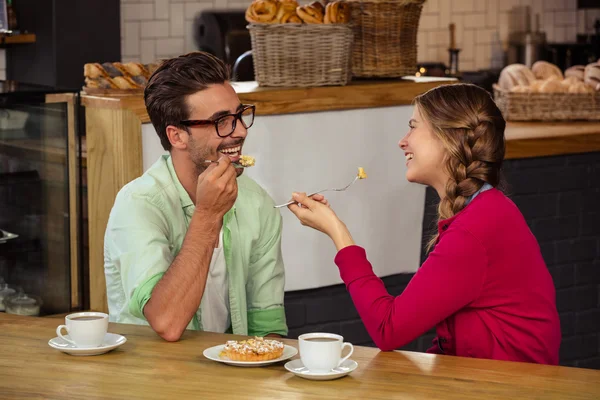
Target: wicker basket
point(301, 54)
point(385, 37)
point(547, 106)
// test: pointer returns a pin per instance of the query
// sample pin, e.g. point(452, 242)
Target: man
point(195, 244)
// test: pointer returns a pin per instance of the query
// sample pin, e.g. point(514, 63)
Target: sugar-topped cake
point(257, 349)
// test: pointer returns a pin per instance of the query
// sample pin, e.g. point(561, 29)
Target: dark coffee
point(321, 339)
point(92, 318)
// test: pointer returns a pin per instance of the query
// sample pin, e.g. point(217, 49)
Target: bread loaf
point(515, 74)
point(536, 85)
point(553, 86)
point(591, 76)
point(571, 80)
point(575, 71)
point(580, 87)
point(116, 75)
point(546, 70)
point(520, 89)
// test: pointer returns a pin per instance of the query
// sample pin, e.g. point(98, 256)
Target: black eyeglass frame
point(215, 122)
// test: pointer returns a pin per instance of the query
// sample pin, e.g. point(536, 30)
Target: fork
point(235, 165)
point(324, 190)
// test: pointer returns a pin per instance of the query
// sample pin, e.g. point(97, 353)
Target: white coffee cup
point(322, 352)
point(85, 329)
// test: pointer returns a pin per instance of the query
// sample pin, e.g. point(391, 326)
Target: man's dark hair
point(174, 80)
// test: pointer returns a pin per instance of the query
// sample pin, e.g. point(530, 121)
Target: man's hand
point(217, 189)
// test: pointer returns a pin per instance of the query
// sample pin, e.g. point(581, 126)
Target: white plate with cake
point(255, 352)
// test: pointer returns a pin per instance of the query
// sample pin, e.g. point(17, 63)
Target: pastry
point(337, 12)
point(361, 173)
point(545, 70)
point(247, 161)
point(290, 18)
point(515, 74)
point(262, 11)
point(310, 14)
point(257, 349)
point(319, 6)
point(94, 70)
point(136, 69)
point(575, 71)
point(591, 76)
point(286, 7)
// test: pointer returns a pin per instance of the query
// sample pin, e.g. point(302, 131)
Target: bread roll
point(286, 7)
point(310, 14)
point(545, 70)
point(553, 86)
point(580, 87)
point(575, 71)
point(536, 85)
point(520, 89)
point(591, 76)
point(515, 74)
point(571, 80)
point(262, 11)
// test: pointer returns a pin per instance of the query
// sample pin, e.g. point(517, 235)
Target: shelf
point(24, 38)
point(50, 150)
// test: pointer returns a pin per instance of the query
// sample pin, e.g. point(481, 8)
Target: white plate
point(111, 341)
point(212, 353)
point(297, 368)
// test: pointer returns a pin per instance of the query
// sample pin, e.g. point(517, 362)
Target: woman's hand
point(316, 213)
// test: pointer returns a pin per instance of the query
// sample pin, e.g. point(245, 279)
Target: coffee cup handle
point(346, 344)
point(59, 333)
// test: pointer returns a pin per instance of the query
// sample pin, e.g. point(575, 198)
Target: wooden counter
point(147, 367)
point(524, 139)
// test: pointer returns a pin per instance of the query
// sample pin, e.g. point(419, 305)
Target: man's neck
point(187, 174)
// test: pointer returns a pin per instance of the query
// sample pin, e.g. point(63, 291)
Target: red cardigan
point(485, 287)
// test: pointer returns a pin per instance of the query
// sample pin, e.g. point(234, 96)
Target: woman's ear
point(177, 137)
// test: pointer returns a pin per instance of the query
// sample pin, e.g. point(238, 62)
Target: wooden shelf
point(24, 38)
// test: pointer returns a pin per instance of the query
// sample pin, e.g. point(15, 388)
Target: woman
point(484, 286)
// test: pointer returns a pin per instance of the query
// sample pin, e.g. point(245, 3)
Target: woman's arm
point(449, 280)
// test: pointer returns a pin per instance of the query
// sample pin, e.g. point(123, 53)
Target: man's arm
point(176, 297)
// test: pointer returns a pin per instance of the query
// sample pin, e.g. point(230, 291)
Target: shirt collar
point(445, 223)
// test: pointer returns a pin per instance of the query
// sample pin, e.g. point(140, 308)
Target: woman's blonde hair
point(471, 127)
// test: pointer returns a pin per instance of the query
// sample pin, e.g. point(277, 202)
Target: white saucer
point(111, 341)
point(212, 353)
point(297, 368)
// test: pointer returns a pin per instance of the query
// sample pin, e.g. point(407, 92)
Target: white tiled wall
point(152, 29)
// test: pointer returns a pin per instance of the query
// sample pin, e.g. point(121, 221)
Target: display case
point(40, 199)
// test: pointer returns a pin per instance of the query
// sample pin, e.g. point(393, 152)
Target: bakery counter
point(337, 129)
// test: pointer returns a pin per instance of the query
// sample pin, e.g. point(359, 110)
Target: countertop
point(147, 367)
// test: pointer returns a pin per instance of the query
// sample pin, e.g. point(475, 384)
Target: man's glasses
point(225, 125)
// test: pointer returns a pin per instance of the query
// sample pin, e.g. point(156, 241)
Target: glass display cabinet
point(40, 200)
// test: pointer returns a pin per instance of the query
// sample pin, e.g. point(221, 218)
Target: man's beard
point(199, 155)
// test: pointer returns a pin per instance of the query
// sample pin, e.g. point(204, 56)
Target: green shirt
point(145, 232)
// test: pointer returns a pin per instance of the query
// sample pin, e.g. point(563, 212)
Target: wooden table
point(146, 367)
